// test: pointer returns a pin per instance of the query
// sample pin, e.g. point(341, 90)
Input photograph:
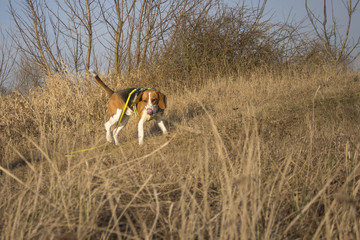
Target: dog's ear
point(162, 101)
point(137, 100)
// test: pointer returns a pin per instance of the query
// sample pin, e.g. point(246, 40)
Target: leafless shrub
point(223, 41)
point(27, 76)
point(7, 61)
point(337, 47)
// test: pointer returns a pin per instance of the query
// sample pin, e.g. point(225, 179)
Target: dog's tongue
point(149, 111)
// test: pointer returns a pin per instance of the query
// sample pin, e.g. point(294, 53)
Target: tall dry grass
point(266, 156)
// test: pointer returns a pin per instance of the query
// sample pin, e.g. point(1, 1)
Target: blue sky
point(4, 15)
point(279, 8)
point(282, 8)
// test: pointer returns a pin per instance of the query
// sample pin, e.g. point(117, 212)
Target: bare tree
point(336, 45)
point(115, 17)
point(77, 26)
point(161, 20)
point(7, 61)
point(141, 28)
point(32, 37)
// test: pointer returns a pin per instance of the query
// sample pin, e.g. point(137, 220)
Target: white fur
point(113, 119)
point(143, 119)
point(121, 126)
point(111, 136)
point(162, 126)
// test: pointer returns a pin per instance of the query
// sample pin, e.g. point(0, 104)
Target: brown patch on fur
point(162, 101)
point(115, 103)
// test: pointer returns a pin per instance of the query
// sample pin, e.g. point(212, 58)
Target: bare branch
point(336, 47)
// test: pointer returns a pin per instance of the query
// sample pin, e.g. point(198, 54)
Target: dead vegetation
point(263, 121)
point(266, 156)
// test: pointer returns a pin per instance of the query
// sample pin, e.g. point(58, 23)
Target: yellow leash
point(127, 101)
point(70, 154)
point(88, 149)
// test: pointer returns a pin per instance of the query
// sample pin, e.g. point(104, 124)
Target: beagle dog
point(147, 103)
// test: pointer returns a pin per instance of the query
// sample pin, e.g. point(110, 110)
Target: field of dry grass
point(262, 156)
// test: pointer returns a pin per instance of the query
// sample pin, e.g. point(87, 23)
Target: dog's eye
point(144, 100)
point(154, 100)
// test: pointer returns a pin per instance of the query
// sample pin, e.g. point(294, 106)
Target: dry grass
point(266, 156)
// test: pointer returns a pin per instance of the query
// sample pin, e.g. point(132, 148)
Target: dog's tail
point(100, 82)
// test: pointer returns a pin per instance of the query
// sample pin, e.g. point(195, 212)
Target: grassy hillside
point(262, 156)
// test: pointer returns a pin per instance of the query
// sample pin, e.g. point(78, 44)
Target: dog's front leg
point(161, 125)
point(141, 132)
point(141, 122)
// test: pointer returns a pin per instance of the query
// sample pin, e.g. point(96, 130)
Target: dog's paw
point(109, 138)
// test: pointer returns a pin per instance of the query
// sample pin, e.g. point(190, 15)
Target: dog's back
point(124, 93)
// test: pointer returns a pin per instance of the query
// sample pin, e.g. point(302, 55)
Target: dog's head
point(151, 101)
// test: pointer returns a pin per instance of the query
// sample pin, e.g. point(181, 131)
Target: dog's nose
point(149, 111)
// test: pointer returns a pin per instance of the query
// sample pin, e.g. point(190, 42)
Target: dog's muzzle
point(149, 111)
